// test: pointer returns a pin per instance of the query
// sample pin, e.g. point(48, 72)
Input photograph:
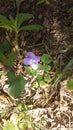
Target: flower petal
point(30, 55)
point(34, 66)
point(37, 58)
point(27, 61)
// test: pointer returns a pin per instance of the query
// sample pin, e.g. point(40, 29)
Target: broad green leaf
point(28, 70)
point(17, 85)
point(11, 77)
point(40, 67)
point(47, 78)
point(11, 58)
point(45, 58)
point(31, 27)
point(39, 77)
point(47, 67)
point(70, 84)
point(33, 72)
point(22, 17)
point(42, 84)
point(9, 126)
point(4, 46)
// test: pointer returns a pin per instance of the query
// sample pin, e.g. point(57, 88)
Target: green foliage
point(9, 126)
point(40, 67)
point(70, 84)
point(11, 58)
point(3, 58)
point(45, 58)
point(39, 77)
point(42, 84)
point(7, 57)
point(60, 76)
point(47, 67)
point(16, 83)
point(20, 106)
point(41, 73)
point(42, 1)
point(24, 122)
point(4, 47)
point(16, 24)
point(70, 10)
point(47, 78)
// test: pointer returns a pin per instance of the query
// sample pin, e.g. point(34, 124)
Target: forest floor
point(49, 108)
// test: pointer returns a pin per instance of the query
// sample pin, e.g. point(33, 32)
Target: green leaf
point(45, 58)
point(33, 72)
point(47, 67)
point(31, 27)
point(11, 77)
point(42, 84)
point(20, 106)
point(28, 70)
point(4, 46)
point(5, 23)
point(11, 58)
point(9, 126)
point(47, 78)
point(70, 84)
point(42, 1)
point(40, 67)
point(22, 17)
point(12, 20)
point(17, 84)
point(8, 24)
point(3, 58)
point(39, 77)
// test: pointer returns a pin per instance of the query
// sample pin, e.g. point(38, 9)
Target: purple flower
point(31, 60)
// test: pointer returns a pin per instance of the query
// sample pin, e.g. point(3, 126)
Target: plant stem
point(16, 42)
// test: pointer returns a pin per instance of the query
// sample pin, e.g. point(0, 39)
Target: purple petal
point(34, 66)
point(30, 55)
point(27, 61)
point(37, 58)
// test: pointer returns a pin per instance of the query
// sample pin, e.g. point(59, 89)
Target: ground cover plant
point(37, 83)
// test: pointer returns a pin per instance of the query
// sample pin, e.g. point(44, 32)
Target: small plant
point(16, 24)
point(22, 122)
point(39, 67)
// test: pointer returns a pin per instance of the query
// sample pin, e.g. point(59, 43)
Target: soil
point(56, 38)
